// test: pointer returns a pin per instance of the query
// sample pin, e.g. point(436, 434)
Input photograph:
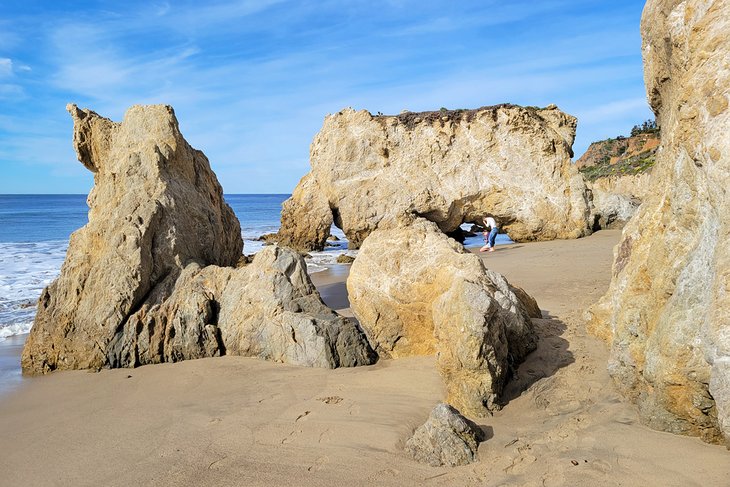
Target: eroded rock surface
point(616, 199)
point(666, 311)
point(449, 167)
point(151, 277)
point(417, 292)
point(446, 439)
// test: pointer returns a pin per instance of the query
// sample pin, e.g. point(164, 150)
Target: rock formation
point(449, 167)
point(151, 277)
point(617, 173)
point(417, 292)
point(666, 312)
point(446, 439)
point(616, 199)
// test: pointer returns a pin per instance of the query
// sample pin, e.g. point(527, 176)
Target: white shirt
point(490, 222)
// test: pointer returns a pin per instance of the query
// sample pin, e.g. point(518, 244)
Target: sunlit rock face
point(667, 312)
point(616, 199)
point(415, 291)
point(152, 277)
point(448, 167)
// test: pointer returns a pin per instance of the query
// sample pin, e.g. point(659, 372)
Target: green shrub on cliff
point(634, 165)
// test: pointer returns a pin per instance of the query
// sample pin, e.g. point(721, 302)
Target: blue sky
point(251, 81)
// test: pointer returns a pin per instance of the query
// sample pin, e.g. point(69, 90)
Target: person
point(489, 237)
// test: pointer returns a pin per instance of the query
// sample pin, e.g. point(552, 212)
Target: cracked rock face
point(417, 292)
point(449, 167)
point(151, 277)
point(666, 312)
point(446, 439)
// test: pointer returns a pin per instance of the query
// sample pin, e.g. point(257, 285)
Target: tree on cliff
point(648, 127)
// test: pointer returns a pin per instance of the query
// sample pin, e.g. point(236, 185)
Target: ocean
point(35, 229)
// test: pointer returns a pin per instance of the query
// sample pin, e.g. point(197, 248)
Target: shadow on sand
point(551, 355)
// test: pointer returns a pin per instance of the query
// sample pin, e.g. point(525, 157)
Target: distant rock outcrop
point(417, 292)
point(619, 156)
point(666, 312)
point(616, 199)
point(151, 277)
point(446, 439)
point(449, 167)
point(617, 173)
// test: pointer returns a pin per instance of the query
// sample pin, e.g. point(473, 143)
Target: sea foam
point(25, 269)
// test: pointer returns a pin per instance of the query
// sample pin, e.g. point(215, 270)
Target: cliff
point(619, 156)
point(665, 314)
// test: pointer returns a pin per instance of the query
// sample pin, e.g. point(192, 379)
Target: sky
point(252, 80)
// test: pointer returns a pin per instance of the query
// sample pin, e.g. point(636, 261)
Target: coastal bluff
point(447, 166)
point(666, 312)
point(618, 174)
point(157, 273)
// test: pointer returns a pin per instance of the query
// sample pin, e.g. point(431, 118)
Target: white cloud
point(251, 81)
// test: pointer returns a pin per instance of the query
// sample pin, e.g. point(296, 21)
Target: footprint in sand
point(325, 436)
point(354, 410)
point(520, 463)
point(303, 415)
point(319, 464)
point(330, 399)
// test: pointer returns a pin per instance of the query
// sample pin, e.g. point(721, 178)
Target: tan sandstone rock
point(417, 292)
point(446, 439)
point(449, 167)
point(616, 199)
point(152, 278)
point(667, 311)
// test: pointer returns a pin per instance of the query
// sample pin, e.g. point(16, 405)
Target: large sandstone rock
point(666, 311)
point(306, 217)
point(150, 278)
point(446, 439)
point(449, 167)
point(616, 199)
point(417, 292)
point(268, 309)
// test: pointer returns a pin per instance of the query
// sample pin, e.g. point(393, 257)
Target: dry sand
point(239, 421)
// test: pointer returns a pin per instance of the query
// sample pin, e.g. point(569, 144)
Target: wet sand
point(10, 350)
point(242, 421)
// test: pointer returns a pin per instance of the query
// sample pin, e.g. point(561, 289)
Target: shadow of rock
point(334, 295)
point(488, 432)
point(551, 355)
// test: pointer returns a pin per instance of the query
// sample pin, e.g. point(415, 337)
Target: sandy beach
point(242, 421)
